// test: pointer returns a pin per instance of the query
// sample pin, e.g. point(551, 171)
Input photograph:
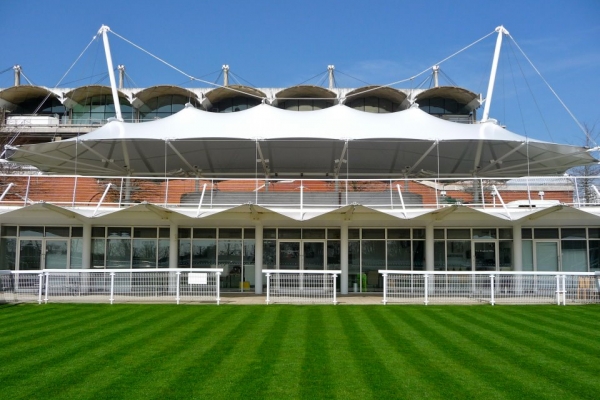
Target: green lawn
point(83, 351)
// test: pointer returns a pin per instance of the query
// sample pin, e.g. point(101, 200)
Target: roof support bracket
point(201, 199)
point(340, 161)
point(401, 201)
point(416, 164)
point(108, 186)
point(10, 185)
point(261, 159)
point(496, 192)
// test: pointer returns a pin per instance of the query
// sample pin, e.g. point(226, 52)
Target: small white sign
point(198, 278)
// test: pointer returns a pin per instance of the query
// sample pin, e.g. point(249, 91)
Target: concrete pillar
point(429, 259)
point(344, 258)
point(173, 245)
point(517, 248)
point(258, 259)
point(86, 247)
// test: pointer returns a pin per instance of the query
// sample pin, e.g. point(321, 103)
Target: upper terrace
point(300, 199)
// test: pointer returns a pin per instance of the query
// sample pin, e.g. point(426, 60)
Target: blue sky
point(282, 43)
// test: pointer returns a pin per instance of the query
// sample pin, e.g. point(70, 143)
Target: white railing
point(111, 285)
point(398, 194)
point(441, 287)
point(301, 286)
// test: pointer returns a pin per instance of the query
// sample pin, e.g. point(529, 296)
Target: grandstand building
point(306, 177)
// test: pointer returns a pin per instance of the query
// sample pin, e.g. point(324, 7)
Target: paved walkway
point(249, 298)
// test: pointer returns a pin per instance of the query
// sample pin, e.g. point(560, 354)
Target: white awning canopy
point(337, 141)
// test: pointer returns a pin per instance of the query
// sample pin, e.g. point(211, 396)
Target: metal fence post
point(426, 281)
point(177, 293)
point(46, 289)
point(218, 283)
point(41, 286)
point(492, 289)
point(112, 287)
point(334, 276)
point(385, 288)
point(268, 286)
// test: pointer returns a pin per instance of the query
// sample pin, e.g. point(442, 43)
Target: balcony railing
point(396, 194)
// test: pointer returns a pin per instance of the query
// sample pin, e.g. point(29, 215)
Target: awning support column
point(111, 73)
point(344, 258)
point(429, 263)
point(258, 258)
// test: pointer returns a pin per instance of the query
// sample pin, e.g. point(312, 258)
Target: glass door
point(485, 256)
point(30, 254)
point(314, 255)
point(289, 255)
point(57, 252)
point(546, 256)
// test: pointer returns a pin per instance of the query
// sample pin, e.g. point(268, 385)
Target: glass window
point(98, 251)
point(8, 253)
point(334, 234)
point(546, 233)
point(8, 230)
point(118, 253)
point(594, 233)
point(439, 255)
point(230, 233)
point(398, 233)
point(594, 255)
point(333, 254)
point(505, 233)
point(184, 233)
point(60, 231)
point(205, 233)
point(144, 233)
point(164, 249)
point(119, 232)
point(505, 248)
point(185, 253)
point(573, 233)
point(459, 255)
point(373, 255)
point(527, 255)
point(230, 253)
point(290, 233)
point(269, 234)
point(419, 234)
point(76, 257)
point(373, 233)
point(458, 233)
point(204, 254)
point(313, 234)
point(574, 256)
point(484, 234)
point(144, 253)
point(98, 231)
point(250, 233)
point(526, 233)
point(164, 232)
point(269, 254)
point(77, 231)
point(353, 233)
point(418, 255)
point(31, 231)
point(439, 234)
point(399, 254)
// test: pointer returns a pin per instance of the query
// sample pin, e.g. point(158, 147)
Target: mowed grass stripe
point(569, 319)
point(130, 351)
point(563, 371)
point(255, 378)
point(187, 370)
point(278, 351)
point(287, 369)
point(65, 361)
point(402, 351)
point(455, 377)
point(489, 356)
point(370, 353)
point(555, 340)
point(243, 352)
point(58, 344)
point(146, 363)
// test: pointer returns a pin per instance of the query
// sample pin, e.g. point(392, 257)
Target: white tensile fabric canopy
point(335, 142)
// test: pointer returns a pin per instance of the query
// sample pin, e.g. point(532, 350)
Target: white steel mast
point(111, 74)
point(490, 91)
